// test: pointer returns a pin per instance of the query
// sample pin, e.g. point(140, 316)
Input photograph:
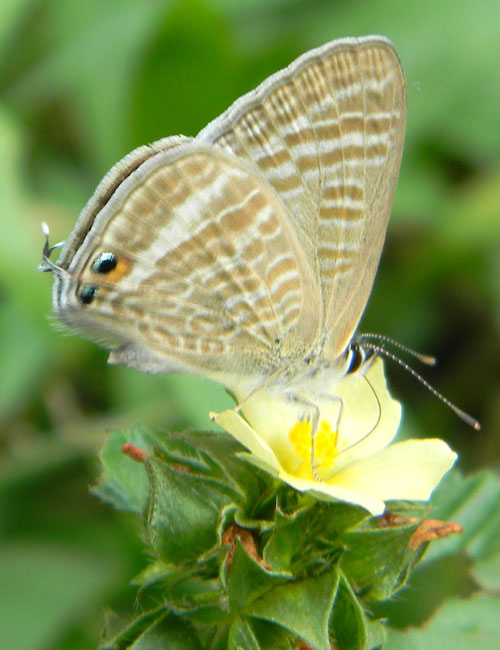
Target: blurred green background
point(83, 83)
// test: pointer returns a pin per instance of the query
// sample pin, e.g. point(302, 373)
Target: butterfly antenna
point(46, 264)
point(423, 358)
point(468, 419)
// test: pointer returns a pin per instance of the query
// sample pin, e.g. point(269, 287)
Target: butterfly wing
point(327, 134)
point(257, 242)
point(207, 274)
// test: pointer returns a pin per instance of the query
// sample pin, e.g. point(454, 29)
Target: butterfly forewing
point(327, 134)
point(210, 276)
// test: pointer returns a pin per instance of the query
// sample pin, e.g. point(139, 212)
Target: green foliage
point(191, 502)
point(83, 83)
point(324, 566)
point(460, 625)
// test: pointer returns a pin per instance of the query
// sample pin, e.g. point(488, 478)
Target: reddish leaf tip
point(136, 453)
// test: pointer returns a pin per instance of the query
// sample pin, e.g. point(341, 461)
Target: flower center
point(325, 446)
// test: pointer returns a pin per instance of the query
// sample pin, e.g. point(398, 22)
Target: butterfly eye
point(357, 357)
point(87, 294)
point(104, 263)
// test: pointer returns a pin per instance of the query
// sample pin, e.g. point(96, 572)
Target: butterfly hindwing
point(327, 134)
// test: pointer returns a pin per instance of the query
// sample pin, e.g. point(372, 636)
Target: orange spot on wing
point(122, 268)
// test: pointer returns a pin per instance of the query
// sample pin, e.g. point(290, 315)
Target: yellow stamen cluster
point(325, 443)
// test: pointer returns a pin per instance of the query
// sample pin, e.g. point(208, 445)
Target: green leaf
point(376, 635)
point(127, 635)
point(376, 560)
point(311, 533)
point(155, 630)
point(194, 595)
point(196, 479)
point(449, 578)
point(459, 625)
point(473, 503)
point(337, 518)
point(248, 580)
point(270, 636)
point(184, 510)
point(303, 607)
point(124, 481)
point(348, 622)
point(214, 454)
point(170, 632)
point(258, 635)
point(242, 637)
point(287, 538)
point(456, 565)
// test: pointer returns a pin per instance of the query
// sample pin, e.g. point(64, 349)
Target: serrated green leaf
point(123, 639)
point(376, 560)
point(303, 607)
point(287, 539)
point(459, 625)
point(215, 454)
point(155, 630)
point(310, 533)
point(247, 580)
point(154, 573)
point(348, 622)
point(124, 482)
point(170, 632)
point(199, 598)
point(184, 510)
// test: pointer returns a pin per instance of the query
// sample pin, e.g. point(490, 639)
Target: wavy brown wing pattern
point(253, 246)
point(327, 134)
point(209, 275)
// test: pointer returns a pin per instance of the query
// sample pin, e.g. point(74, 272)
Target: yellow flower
point(351, 457)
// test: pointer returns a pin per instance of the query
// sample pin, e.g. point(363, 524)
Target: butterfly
point(247, 253)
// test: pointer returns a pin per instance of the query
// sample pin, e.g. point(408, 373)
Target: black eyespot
point(104, 263)
point(87, 294)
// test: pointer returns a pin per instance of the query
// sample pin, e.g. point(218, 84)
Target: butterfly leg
point(338, 400)
point(314, 419)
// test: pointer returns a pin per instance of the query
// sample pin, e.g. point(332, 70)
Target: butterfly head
point(81, 284)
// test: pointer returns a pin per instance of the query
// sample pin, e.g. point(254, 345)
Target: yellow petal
point(243, 432)
point(377, 417)
point(330, 491)
point(408, 470)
